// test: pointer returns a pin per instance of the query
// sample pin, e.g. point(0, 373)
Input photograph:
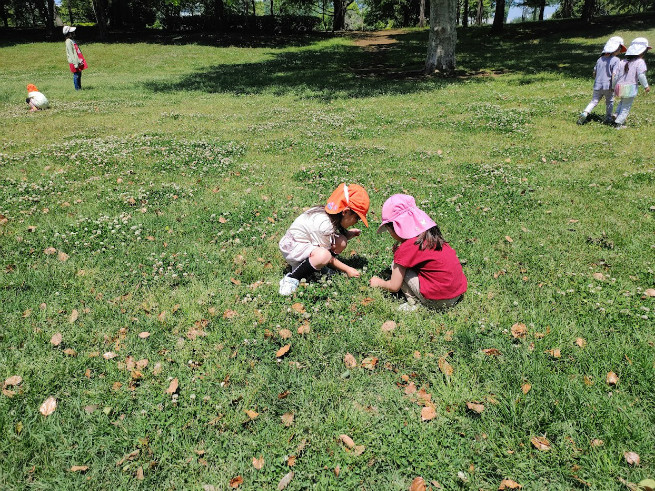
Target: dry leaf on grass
point(475, 407)
point(428, 413)
point(235, 482)
point(298, 307)
point(347, 441)
point(79, 468)
point(581, 342)
point(144, 335)
point(650, 292)
point(555, 352)
point(612, 378)
point(304, 328)
point(491, 352)
point(388, 326)
point(55, 340)
point(284, 333)
point(418, 484)
point(508, 239)
point(445, 367)
point(525, 388)
point(74, 315)
point(62, 256)
point(358, 450)
point(48, 251)
point(109, 355)
point(229, 314)
point(509, 484)
point(596, 443)
point(369, 363)
point(540, 443)
point(287, 419)
point(519, 330)
point(258, 462)
point(631, 458)
point(252, 414)
point(173, 386)
point(598, 276)
point(282, 351)
point(48, 407)
point(13, 380)
point(349, 361)
point(410, 389)
point(284, 482)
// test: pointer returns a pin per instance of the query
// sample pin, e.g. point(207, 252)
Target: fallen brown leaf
point(477, 408)
point(347, 441)
point(48, 407)
point(144, 335)
point(596, 443)
point(612, 378)
point(74, 315)
point(258, 462)
point(252, 414)
point(631, 458)
point(287, 419)
point(79, 468)
point(285, 333)
point(235, 482)
point(229, 314)
point(369, 363)
point(13, 380)
point(388, 326)
point(349, 360)
point(48, 251)
point(410, 389)
point(508, 239)
point(358, 450)
point(428, 413)
point(540, 443)
point(525, 388)
point(282, 351)
point(555, 352)
point(418, 484)
point(519, 330)
point(491, 352)
point(509, 484)
point(304, 328)
point(581, 342)
point(298, 307)
point(649, 292)
point(55, 340)
point(173, 386)
point(445, 367)
point(284, 482)
point(62, 256)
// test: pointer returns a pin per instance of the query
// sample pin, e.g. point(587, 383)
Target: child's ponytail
point(430, 239)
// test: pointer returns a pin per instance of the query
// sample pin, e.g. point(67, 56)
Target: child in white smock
point(36, 99)
point(629, 73)
point(605, 66)
point(320, 233)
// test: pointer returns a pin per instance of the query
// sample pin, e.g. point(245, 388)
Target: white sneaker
point(288, 285)
point(407, 307)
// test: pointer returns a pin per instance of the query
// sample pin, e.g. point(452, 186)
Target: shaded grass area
point(168, 188)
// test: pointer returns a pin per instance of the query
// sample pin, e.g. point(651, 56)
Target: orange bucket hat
point(32, 88)
point(354, 197)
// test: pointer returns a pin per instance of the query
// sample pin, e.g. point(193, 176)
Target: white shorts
point(295, 252)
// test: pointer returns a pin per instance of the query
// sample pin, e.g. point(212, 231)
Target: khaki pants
point(412, 291)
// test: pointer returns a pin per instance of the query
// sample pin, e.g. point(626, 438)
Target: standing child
point(35, 99)
point(424, 267)
point(76, 61)
point(320, 233)
point(603, 70)
point(629, 73)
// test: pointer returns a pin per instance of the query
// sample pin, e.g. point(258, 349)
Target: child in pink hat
point(424, 267)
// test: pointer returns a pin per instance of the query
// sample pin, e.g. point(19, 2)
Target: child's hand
point(376, 282)
point(352, 273)
point(353, 232)
point(647, 89)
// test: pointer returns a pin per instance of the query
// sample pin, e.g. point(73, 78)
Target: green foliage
point(168, 189)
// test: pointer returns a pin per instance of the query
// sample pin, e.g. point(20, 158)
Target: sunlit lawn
point(141, 221)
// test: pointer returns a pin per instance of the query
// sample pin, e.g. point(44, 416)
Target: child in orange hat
point(320, 233)
point(35, 99)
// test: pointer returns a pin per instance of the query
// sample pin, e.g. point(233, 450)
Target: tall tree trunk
point(99, 8)
point(499, 17)
point(339, 21)
point(465, 14)
point(442, 38)
point(254, 13)
point(542, 9)
point(421, 14)
point(588, 10)
point(50, 19)
point(272, 8)
point(70, 14)
point(567, 9)
point(478, 13)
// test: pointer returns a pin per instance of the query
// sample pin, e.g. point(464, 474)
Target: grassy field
point(138, 251)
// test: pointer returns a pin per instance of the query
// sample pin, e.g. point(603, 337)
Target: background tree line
point(218, 15)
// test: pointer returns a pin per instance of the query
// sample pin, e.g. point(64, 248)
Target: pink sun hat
point(408, 219)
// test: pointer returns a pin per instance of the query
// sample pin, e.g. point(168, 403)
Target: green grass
point(169, 180)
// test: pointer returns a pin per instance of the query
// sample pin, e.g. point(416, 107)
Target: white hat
point(637, 47)
point(614, 43)
point(68, 29)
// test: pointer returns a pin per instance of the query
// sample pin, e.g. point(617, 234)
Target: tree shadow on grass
point(394, 66)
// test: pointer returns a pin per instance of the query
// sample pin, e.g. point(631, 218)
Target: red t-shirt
point(440, 272)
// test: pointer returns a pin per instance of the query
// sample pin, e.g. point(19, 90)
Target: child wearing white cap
point(605, 66)
point(629, 73)
point(76, 60)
